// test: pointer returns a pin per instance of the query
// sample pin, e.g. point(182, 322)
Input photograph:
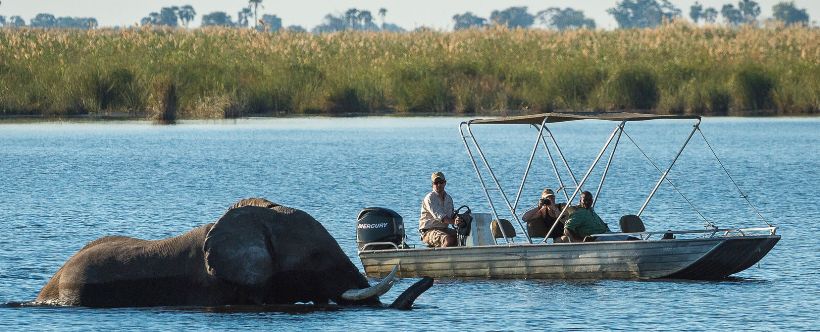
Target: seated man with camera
point(540, 218)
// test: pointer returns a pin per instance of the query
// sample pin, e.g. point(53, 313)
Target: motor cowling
point(375, 224)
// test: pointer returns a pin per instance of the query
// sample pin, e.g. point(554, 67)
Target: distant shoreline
point(123, 118)
point(173, 74)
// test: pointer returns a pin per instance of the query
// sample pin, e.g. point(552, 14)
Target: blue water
point(65, 184)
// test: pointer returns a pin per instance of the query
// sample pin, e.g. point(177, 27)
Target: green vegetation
point(171, 74)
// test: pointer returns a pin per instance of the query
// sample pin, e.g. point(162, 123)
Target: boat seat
point(509, 230)
point(631, 223)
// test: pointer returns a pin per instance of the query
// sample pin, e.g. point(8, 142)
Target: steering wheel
point(463, 229)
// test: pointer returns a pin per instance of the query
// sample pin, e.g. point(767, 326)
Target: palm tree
point(186, 14)
point(382, 13)
point(255, 4)
point(365, 19)
point(244, 14)
point(352, 18)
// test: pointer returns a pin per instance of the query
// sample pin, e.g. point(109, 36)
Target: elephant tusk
point(377, 290)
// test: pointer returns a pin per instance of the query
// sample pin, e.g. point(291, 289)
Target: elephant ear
point(237, 248)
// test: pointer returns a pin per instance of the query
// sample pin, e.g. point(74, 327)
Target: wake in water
point(19, 304)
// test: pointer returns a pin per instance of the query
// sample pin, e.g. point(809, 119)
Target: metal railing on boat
point(374, 244)
point(712, 232)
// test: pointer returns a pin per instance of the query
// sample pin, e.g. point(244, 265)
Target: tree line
point(627, 13)
point(50, 21)
point(633, 14)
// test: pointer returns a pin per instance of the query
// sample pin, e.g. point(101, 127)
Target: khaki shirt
point(434, 210)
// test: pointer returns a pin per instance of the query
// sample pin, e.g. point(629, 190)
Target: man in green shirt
point(583, 222)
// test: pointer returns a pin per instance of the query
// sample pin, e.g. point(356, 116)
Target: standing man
point(436, 214)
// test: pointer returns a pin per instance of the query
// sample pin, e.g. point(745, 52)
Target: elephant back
point(255, 201)
point(106, 239)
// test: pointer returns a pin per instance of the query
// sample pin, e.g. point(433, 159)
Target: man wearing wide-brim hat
point(541, 218)
point(437, 214)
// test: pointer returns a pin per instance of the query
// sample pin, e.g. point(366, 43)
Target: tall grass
point(218, 73)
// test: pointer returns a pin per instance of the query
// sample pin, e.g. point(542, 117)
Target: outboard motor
point(375, 224)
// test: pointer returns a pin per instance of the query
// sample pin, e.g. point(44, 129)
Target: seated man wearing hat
point(436, 214)
point(540, 218)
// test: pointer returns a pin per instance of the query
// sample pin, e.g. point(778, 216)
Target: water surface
point(65, 184)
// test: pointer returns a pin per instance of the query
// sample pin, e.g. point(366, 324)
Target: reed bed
point(224, 73)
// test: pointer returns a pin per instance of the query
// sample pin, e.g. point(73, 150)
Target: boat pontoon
point(633, 253)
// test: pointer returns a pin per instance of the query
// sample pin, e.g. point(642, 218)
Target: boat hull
point(704, 258)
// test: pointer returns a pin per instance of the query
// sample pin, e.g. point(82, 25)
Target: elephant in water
point(258, 253)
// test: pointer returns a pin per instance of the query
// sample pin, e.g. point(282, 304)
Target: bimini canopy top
point(537, 119)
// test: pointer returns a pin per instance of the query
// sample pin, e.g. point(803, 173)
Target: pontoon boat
point(632, 253)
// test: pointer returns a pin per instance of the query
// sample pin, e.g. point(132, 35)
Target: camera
point(544, 201)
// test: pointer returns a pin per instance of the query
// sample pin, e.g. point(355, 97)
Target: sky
point(408, 14)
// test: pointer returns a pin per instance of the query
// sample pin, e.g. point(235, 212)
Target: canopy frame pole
point(561, 185)
point(742, 194)
point(583, 180)
point(539, 140)
point(709, 224)
point(497, 184)
point(665, 173)
point(609, 162)
point(475, 166)
point(563, 159)
point(527, 170)
point(500, 190)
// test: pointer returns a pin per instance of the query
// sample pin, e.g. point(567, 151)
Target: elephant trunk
point(406, 299)
point(372, 291)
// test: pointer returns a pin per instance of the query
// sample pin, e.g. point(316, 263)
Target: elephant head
point(276, 254)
